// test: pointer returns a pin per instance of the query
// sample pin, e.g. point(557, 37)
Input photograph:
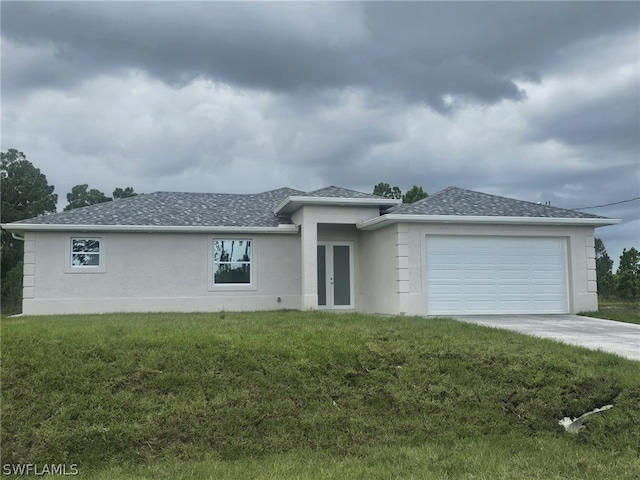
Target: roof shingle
point(176, 209)
point(460, 202)
point(179, 209)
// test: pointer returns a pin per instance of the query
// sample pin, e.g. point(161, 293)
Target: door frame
point(328, 245)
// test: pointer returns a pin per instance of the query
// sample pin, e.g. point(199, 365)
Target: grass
point(309, 395)
point(616, 309)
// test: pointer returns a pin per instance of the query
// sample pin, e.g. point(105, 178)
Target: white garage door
point(495, 275)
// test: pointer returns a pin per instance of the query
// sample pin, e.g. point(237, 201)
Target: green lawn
point(309, 396)
point(620, 310)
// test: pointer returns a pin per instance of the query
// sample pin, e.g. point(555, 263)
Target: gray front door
point(335, 275)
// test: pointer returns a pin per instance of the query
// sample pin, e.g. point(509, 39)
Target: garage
point(495, 275)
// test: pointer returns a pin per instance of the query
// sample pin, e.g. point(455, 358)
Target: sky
point(538, 101)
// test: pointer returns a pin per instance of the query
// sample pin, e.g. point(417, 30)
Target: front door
point(335, 275)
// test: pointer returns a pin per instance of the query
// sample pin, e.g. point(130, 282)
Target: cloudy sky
point(536, 101)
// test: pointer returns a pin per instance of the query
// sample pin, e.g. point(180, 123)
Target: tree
point(25, 193)
point(80, 196)
point(628, 274)
point(604, 274)
point(385, 190)
point(629, 261)
point(126, 193)
point(414, 194)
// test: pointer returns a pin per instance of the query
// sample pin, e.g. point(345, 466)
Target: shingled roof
point(178, 210)
point(460, 202)
point(173, 210)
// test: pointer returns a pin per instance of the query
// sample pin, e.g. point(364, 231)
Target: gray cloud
point(420, 50)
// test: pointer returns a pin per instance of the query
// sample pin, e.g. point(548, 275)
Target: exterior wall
point(173, 272)
point(157, 272)
point(582, 291)
point(380, 277)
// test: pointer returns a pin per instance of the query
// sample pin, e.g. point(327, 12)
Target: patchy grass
point(619, 310)
point(309, 395)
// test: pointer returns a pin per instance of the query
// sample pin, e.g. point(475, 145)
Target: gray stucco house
point(455, 252)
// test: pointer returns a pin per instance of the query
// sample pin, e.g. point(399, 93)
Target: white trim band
point(34, 227)
point(391, 218)
point(291, 204)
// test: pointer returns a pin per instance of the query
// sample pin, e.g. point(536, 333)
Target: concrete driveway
point(616, 337)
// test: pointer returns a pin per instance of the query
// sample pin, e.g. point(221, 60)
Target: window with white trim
point(232, 262)
point(85, 252)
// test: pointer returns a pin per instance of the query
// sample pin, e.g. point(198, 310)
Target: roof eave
point(390, 218)
point(34, 227)
point(293, 203)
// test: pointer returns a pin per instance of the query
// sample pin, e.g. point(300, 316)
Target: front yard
point(309, 395)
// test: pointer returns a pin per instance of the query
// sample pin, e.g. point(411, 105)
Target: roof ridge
point(343, 192)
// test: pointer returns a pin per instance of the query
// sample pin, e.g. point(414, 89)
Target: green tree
point(25, 193)
point(120, 193)
point(80, 197)
point(629, 261)
point(414, 194)
point(604, 273)
point(387, 191)
point(628, 275)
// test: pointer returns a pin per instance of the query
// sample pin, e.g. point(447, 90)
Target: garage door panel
point(509, 260)
point(547, 289)
point(453, 291)
point(512, 306)
point(477, 274)
point(466, 275)
point(479, 260)
point(446, 259)
point(480, 289)
point(482, 307)
point(545, 275)
point(512, 274)
point(513, 289)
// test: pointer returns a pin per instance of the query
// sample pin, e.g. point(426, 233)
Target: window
point(232, 262)
point(85, 252)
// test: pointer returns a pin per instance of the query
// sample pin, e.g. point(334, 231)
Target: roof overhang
point(34, 227)
point(293, 203)
point(390, 218)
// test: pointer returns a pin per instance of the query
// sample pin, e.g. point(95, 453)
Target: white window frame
point(69, 267)
point(252, 285)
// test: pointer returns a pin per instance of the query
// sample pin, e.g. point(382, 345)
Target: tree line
point(414, 194)
point(625, 283)
point(26, 193)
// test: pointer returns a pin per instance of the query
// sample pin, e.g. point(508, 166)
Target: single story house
point(456, 252)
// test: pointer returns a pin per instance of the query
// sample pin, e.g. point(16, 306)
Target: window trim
point(252, 285)
point(102, 255)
